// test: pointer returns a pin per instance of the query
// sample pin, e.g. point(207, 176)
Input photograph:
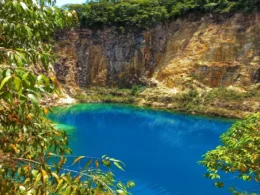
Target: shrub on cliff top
point(146, 13)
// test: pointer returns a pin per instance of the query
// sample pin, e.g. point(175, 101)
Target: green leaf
point(55, 176)
point(29, 32)
point(22, 188)
point(130, 184)
point(17, 82)
point(35, 172)
point(88, 164)
point(67, 179)
point(68, 190)
point(24, 6)
point(4, 81)
point(34, 100)
point(19, 60)
point(121, 192)
point(219, 184)
point(38, 179)
point(44, 176)
point(106, 162)
point(77, 159)
point(25, 78)
point(118, 166)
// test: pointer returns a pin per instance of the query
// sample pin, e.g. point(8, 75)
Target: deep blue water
point(160, 149)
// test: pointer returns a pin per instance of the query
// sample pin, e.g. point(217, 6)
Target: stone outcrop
point(210, 50)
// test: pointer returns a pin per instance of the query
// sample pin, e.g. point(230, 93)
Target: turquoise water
point(160, 149)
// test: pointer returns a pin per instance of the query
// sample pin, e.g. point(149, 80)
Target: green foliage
point(136, 89)
point(108, 95)
point(225, 94)
point(32, 152)
point(146, 13)
point(228, 102)
point(239, 152)
point(135, 13)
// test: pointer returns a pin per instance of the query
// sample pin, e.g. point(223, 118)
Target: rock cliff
point(209, 50)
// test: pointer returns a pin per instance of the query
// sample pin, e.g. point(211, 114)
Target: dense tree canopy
point(145, 13)
point(239, 154)
point(32, 152)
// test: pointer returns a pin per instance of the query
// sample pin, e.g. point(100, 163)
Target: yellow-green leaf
point(4, 81)
point(77, 159)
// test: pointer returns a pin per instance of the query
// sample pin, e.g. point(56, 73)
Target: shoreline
point(216, 103)
point(195, 103)
point(140, 107)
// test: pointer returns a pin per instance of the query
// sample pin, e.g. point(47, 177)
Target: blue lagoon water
point(160, 149)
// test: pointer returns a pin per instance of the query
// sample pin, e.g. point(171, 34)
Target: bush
point(137, 89)
point(239, 152)
point(146, 13)
point(33, 153)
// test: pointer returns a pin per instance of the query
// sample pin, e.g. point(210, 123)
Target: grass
point(232, 95)
point(110, 95)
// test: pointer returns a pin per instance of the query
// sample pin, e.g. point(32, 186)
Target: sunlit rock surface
point(212, 50)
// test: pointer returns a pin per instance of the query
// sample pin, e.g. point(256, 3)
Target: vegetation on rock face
point(145, 13)
point(239, 154)
point(110, 95)
point(221, 101)
point(32, 152)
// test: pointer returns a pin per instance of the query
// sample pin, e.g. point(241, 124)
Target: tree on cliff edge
point(32, 152)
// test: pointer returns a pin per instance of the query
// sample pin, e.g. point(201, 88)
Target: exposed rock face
point(212, 50)
point(108, 57)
